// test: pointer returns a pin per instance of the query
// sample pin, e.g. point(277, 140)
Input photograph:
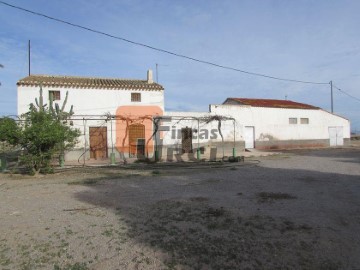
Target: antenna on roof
point(286, 97)
point(29, 56)
point(157, 71)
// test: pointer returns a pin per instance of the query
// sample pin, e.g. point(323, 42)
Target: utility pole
point(332, 100)
point(157, 78)
point(29, 57)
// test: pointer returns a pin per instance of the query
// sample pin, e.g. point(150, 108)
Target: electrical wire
point(342, 91)
point(159, 49)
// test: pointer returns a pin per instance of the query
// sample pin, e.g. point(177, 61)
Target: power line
point(342, 91)
point(159, 49)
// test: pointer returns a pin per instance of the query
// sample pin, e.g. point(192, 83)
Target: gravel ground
point(296, 210)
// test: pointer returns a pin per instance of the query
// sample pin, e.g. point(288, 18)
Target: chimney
point(150, 76)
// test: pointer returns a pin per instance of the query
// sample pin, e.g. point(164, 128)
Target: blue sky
point(305, 40)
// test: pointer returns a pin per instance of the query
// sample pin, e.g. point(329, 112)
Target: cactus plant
point(57, 112)
point(39, 102)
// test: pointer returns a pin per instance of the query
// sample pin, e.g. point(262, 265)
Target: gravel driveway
point(295, 210)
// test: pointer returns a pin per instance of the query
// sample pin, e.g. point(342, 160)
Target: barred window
point(135, 97)
point(293, 121)
point(55, 95)
point(304, 121)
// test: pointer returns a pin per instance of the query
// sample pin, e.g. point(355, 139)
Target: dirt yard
point(295, 210)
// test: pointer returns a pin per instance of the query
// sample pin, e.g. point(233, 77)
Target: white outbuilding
point(279, 124)
point(243, 124)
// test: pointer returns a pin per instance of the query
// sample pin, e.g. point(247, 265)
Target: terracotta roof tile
point(88, 82)
point(270, 103)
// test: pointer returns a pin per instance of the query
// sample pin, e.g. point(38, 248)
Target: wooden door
point(137, 140)
point(186, 140)
point(98, 142)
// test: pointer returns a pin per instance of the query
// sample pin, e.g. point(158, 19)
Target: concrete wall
point(272, 127)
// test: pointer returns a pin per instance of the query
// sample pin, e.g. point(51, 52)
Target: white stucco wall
point(89, 101)
point(274, 122)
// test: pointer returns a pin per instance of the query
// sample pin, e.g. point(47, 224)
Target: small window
point(293, 121)
point(55, 94)
point(304, 121)
point(135, 97)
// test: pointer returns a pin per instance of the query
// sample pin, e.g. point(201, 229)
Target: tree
point(9, 136)
point(40, 135)
point(9, 131)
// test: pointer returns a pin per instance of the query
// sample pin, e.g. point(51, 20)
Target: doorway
point(186, 140)
point(336, 136)
point(136, 140)
point(98, 142)
point(249, 137)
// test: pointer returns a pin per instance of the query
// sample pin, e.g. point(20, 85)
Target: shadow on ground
point(240, 218)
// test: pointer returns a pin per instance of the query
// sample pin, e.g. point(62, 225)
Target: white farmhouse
point(104, 110)
point(126, 118)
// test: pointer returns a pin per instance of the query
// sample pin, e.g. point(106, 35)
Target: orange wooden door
point(98, 142)
point(137, 140)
